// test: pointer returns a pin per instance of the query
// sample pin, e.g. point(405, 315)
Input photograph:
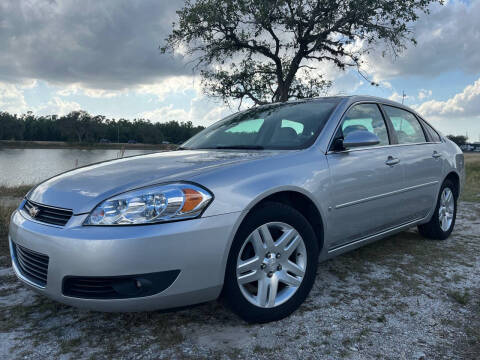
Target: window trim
point(391, 139)
point(425, 125)
point(425, 133)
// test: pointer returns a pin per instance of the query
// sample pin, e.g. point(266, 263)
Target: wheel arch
point(455, 178)
point(301, 202)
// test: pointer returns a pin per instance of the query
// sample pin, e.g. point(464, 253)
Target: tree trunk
point(281, 93)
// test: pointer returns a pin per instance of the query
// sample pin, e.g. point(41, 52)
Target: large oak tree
point(271, 50)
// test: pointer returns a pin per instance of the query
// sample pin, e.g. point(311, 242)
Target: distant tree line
point(80, 126)
point(458, 139)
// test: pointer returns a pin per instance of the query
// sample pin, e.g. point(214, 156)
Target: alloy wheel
point(271, 264)
point(446, 209)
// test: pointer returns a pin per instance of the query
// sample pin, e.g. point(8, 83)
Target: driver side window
point(364, 117)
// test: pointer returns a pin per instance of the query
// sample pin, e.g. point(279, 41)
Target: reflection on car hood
point(83, 188)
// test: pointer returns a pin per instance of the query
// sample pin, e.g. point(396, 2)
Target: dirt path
point(403, 297)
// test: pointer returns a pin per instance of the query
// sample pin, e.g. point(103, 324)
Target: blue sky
point(103, 57)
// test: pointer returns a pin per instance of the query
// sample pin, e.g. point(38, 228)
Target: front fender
point(240, 187)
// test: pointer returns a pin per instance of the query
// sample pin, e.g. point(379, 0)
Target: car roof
point(344, 101)
point(347, 100)
point(352, 99)
point(356, 98)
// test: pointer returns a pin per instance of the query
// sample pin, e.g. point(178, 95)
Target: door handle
point(392, 161)
point(436, 154)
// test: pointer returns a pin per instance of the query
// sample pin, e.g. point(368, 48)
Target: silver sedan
point(245, 209)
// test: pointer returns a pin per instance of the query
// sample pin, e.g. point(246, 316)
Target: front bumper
point(198, 248)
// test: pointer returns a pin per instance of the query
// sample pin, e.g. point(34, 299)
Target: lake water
point(30, 166)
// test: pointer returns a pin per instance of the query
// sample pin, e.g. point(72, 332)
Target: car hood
point(83, 188)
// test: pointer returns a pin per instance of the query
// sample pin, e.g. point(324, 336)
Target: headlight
point(151, 205)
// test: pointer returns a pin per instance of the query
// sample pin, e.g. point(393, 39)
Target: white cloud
point(29, 84)
point(201, 111)
point(447, 40)
point(100, 93)
point(165, 114)
point(397, 97)
point(160, 89)
point(58, 106)
point(423, 94)
point(12, 99)
point(465, 104)
point(79, 89)
point(173, 84)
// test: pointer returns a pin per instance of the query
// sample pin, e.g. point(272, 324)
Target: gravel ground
point(400, 298)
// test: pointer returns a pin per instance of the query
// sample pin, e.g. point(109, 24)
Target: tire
point(271, 262)
point(433, 229)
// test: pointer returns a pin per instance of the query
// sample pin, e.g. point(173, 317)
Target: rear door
point(421, 159)
point(363, 181)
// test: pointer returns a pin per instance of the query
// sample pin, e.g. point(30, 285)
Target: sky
point(103, 57)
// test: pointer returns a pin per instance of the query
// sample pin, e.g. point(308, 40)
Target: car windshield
point(293, 125)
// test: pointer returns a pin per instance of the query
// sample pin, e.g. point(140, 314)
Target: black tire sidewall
point(270, 212)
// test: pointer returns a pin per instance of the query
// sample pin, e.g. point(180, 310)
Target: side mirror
point(360, 139)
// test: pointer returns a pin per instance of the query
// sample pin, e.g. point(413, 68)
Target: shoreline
point(17, 144)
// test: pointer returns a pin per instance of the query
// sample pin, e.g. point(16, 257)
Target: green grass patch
point(471, 192)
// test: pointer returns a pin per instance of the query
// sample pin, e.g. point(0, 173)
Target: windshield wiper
point(240, 147)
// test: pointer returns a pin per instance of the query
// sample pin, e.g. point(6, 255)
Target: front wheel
point(272, 264)
point(443, 220)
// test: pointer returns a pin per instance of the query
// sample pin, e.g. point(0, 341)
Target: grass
point(471, 191)
point(5, 213)
point(461, 297)
point(17, 191)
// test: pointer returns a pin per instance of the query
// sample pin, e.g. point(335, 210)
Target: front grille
point(32, 265)
point(47, 214)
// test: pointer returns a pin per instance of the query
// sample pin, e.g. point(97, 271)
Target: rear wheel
point(443, 220)
point(272, 264)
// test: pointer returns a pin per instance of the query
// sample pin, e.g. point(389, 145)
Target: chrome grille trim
point(47, 214)
point(31, 264)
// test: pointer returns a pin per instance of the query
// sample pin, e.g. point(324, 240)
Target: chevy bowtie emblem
point(33, 211)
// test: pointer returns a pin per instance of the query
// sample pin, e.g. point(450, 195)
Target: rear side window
point(364, 117)
point(431, 132)
point(406, 125)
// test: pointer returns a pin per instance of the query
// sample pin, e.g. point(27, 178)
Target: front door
point(365, 182)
